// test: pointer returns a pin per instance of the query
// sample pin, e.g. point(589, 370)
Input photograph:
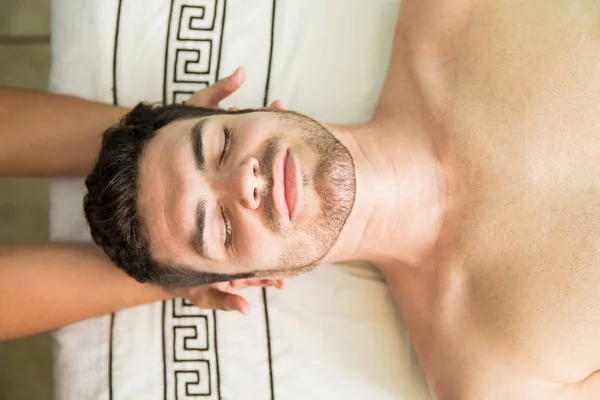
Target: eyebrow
point(197, 133)
point(198, 240)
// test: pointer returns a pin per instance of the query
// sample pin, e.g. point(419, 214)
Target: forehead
point(162, 165)
point(248, 120)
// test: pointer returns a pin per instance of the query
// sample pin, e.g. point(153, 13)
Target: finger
point(215, 299)
point(277, 104)
point(230, 302)
point(212, 95)
point(239, 284)
point(226, 286)
point(280, 283)
point(238, 303)
point(226, 86)
point(245, 283)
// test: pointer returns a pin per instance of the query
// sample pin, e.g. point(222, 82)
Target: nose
point(246, 183)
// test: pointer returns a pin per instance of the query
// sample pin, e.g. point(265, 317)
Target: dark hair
point(111, 206)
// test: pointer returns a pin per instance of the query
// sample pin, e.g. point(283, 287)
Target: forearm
point(43, 134)
point(43, 287)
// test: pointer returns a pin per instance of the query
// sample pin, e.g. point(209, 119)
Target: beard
point(334, 181)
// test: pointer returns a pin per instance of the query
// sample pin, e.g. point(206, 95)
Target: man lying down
point(475, 188)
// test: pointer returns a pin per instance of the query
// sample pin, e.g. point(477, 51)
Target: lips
point(279, 186)
point(285, 185)
point(291, 184)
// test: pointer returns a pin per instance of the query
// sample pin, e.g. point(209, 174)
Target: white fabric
point(333, 333)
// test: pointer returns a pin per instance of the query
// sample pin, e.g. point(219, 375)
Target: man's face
point(238, 193)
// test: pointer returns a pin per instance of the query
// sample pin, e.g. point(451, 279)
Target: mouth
point(285, 185)
point(291, 184)
point(279, 185)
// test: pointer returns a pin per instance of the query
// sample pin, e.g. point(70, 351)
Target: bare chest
point(516, 91)
point(524, 126)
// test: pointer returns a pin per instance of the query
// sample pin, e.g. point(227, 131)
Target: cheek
point(258, 246)
point(248, 141)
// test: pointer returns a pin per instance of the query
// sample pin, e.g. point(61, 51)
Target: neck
point(400, 195)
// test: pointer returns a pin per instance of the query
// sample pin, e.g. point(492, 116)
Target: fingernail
point(237, 73)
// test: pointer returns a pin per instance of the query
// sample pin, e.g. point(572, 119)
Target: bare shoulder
point(459, 360)
point(506, 53)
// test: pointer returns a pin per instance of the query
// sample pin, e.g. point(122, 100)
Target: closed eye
point(226, 144)
point(228, 236)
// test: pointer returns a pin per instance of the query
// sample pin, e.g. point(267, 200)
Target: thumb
point(231, 302)
point(277, 104)
point(215, 299)
point(211, 96)
point(225, 87)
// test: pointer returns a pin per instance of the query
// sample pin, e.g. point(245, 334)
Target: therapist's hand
point(220, 296)
point(211, 97)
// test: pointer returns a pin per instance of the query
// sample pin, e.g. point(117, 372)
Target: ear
point(279, 283)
